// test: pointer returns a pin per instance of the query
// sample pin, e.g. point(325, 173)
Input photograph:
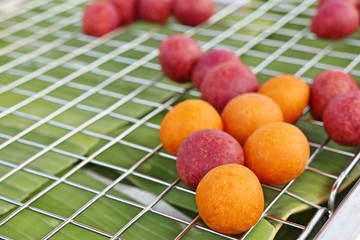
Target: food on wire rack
point(247, 112)
point(290, 93)
point(219, 74)
point(342, 118)
point(210, 61)
point(356, 2)
point(226, 82)
point(178, 55)
point(185, 118)
point(230, 199)
point(204, 150)
point(320, 2)
point(326, 86)
point(335, 19)
point(277, 152)
point(100, 18)
point(192, 13)
point(156, 11)
point(127, 10)
point(259, 119)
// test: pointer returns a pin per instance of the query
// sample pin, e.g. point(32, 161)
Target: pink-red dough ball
point(193, 12)
point(204, 150)
point(178, 56)
point(156, 11)
point(127, 10)
point(209, 61)
point(342, 119)
point(226, 82)
point(326, 86)
point(321, 2)
point(100, 18)
point(335, 19)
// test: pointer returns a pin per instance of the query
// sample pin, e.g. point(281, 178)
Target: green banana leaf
point(106, 214)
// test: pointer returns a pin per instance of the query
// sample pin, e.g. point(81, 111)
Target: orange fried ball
point(290, 93)
point(277, 153)
point(230, 199)
point(185, 118)
point(247, 112)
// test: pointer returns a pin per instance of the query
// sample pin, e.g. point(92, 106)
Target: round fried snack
point(230, 199)
point(185, 118)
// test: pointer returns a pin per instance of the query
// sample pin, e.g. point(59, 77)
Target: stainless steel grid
point(65, 29)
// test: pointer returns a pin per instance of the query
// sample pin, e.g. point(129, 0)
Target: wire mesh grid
point(74, 105)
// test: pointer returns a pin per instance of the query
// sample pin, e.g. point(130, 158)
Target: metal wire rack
point(46, 62)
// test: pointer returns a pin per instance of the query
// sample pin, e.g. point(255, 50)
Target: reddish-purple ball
point(127, 10)
point(191, 12)
point(204, 150)
point(100, 18)
point(335, 19)
point(342, 119)
point(156, 11)
point(326, 86)
point(226, 82)
point(210, 61)
point(178, 56)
